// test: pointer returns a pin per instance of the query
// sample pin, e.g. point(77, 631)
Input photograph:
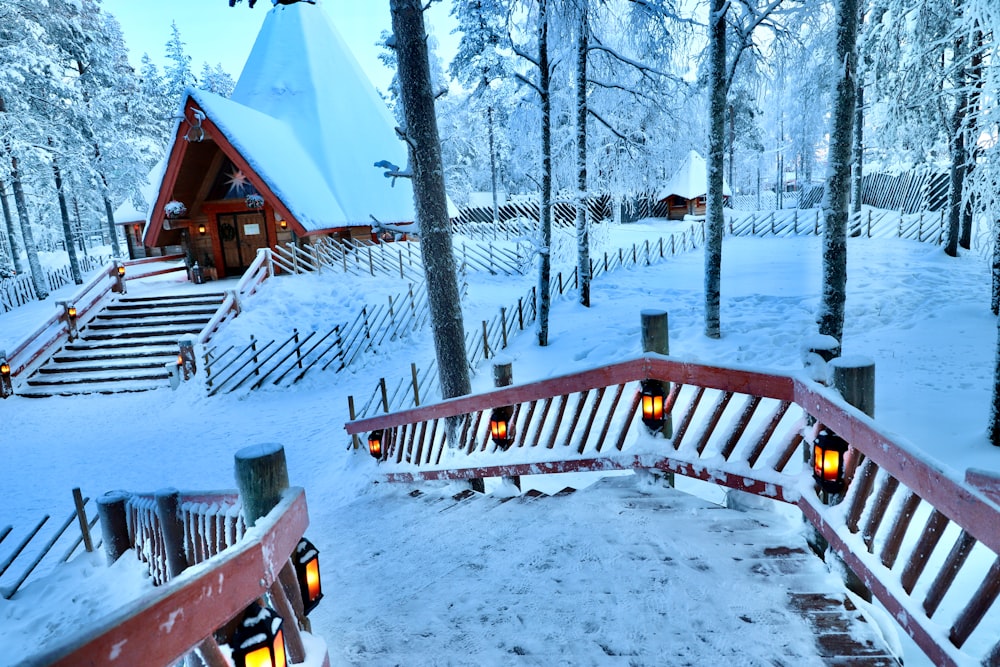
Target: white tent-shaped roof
point(308, 123)
point(690, 181)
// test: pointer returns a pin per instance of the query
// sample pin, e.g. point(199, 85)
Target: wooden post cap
point(655, 331)
point(262, 477)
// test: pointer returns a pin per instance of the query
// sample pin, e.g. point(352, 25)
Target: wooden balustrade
point(925, 544)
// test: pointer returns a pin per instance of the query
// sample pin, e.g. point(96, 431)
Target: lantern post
point(6, 384)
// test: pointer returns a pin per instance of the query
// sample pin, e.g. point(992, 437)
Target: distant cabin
point(289, 157)
point(685, 193)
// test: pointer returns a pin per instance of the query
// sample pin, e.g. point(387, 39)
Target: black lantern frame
point(306, 561)
point(653, 403)
point(502, 426)
point(259, 640)
point(829, 456)
point(375, 440)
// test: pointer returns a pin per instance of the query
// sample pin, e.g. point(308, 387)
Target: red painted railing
point(236, 566)
point(55, 330)
point(925, 544)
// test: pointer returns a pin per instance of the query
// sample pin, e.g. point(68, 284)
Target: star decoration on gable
point(239, 184)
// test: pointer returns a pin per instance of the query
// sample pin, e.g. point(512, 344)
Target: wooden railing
point(926, 545)
point(20, 290)
point(55, 330)
point(236, 569)
point(869, 223)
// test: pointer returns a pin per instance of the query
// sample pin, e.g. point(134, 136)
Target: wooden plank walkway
point(617, 571)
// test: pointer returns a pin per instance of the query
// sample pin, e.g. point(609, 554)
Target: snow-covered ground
point(923, 317)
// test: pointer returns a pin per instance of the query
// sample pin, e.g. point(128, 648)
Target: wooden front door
point(241, 235)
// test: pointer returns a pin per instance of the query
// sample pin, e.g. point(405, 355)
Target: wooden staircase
point(125, 347)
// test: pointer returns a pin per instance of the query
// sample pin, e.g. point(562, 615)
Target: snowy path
point(624, 572)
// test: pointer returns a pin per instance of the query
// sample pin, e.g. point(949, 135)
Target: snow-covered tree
point(216, 80)
point(177, 73)
point(421, 135)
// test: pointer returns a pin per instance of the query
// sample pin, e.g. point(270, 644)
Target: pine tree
point(177, 74)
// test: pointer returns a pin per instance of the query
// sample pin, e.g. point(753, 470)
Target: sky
point(587, 573)
point(214, 33)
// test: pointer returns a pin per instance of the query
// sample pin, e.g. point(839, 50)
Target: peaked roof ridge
point(301, 72)
point(690, 180)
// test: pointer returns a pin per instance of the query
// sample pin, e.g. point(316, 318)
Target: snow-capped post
point(69, 314)
point(168, 513)
point(854, 378)
point(6, 385)
point(119, 274)
point(262, 478)
point(114, 524)
point(655, 327)
point(186, 359)
point(503, 376)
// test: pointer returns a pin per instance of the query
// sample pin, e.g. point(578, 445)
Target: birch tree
point(838, 179)
point(421, 135)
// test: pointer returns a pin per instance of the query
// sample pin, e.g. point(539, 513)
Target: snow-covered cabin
point(685, 192)
point(290, 155)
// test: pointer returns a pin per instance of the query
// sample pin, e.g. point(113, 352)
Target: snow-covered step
point(143, 332)
point(151, 311)
point(112, 353)
point(88, 365)
point(160, 320)
point(44, 391)
point(139, 345)
point(40, 379)
point(167, 301)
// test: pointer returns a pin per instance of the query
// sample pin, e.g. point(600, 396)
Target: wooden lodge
point(685, 193)
point(289, 157)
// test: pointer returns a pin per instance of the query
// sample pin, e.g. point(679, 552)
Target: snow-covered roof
point(311, 125)
point(301, 73)
point(691, 179)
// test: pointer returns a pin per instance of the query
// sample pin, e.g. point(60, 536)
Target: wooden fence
point(869, 223)
point(19, 290)
point(485, 341)
point(520, 219)
point(924, 544)
point(30, 553)
point(260, 362)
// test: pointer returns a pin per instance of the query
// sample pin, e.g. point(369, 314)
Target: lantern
point(375, 443)
point(828, 461)
point(259, 640)
point(121, 270)
point(71, 312)
point(202, 229)
point(501, 427)
point(5, 368)
point(653, 403)
point(306, 561)
point(6, 387)
point(283, 224)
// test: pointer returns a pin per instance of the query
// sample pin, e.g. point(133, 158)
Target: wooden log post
point(172, 528)
point(81, 515)
point(114, 524)
point(655, 328)
point(262, 478)
point(186, 358)
point(6, 385)
point(503, 376)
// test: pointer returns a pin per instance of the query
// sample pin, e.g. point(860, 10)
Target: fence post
point(262, 478)
point(795, 222)
point(168, 513)
point(816, 230)
point(520, 315)
point(81, 515)
point(371, 264)
point(503, 326)
point(114, 524)
point(355, 443)
point(186, 358)
point(661, 247)
point(605, 261)
point(385, 395)
point(416, 385)
point(401, 265)
point(503, 376)
point(486, 341)
point(655, 328)
point(6, 384)
point(559, 277)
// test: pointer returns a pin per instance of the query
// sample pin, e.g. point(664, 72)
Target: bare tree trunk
point(429, 196)
point(994, 425)
point(38, 280)
point(493, 169)
point(859, 149)
point(109, 211)
point(714, 218)
point(975, 81)
point(995, 272)
point(68, 236)
point(544, 299)
point(582, 227)
point(838, 181)
point(8, 220)
point(957, 152)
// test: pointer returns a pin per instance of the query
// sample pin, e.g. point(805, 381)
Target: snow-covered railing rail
point(55, 330)
point(19, 290)
point(163, 627)
point(486, 341)
point(926, 545)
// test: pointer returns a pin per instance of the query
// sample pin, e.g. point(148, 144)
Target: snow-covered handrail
point(903, 522)
point(164, 626)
